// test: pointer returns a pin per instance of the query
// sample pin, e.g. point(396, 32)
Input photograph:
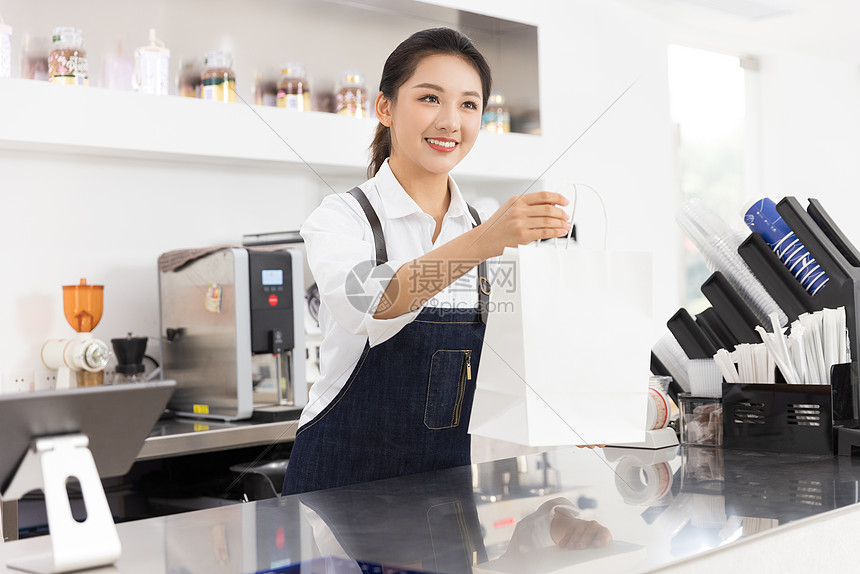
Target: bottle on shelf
point(5, 49)
point(351, 99)
point(265, 90)
point(188, 78)
point(151, 65)
point(67, 62)
point(117, 70)
point(218, 82)
point(293, 92)
point(34, 58)
point(496, 117)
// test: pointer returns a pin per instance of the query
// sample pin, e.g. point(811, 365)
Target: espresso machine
point(232, 332)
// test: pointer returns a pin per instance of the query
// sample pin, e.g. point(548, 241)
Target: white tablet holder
point(63, 435)
point(49, 464)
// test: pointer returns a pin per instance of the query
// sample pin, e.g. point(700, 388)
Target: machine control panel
point(270, 276)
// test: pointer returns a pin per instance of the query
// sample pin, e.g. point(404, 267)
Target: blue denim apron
point(405, 408)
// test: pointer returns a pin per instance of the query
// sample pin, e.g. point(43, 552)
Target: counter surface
point(179, 436)
point(660, 507)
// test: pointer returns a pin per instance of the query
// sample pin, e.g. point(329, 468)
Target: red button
point(273, 300)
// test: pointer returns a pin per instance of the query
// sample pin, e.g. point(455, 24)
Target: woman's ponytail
point(380, 149)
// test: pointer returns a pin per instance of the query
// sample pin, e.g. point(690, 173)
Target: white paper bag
point(567, 347)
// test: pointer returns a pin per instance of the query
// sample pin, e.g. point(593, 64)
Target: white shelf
point(38, 116)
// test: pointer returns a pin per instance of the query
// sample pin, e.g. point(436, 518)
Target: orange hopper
point(82, 305)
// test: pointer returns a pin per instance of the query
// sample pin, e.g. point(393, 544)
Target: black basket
point(788, 418)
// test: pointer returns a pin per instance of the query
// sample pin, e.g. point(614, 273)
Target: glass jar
point(496, 117)
point(351, 98)
point(293, 92)
point(34, 58)
point(218, 82)
point(188, 79)
point(5, 50)
point(265, 90)
point(67, 62)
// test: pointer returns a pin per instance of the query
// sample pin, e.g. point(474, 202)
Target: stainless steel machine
point(232, 330)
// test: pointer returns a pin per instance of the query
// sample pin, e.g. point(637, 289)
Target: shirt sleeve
point(341, 256)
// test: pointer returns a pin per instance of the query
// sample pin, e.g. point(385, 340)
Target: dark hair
point(400, 66)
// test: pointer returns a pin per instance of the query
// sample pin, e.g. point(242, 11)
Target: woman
point(401, 340)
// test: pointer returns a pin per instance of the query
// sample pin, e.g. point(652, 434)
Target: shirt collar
point(397, 203)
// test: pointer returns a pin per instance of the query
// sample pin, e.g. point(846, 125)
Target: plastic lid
point(68, 35)
point(294, 69)
point(5, 28)
point(218, 59)
point(155, 45)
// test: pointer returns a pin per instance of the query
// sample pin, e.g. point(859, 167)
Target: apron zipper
point(467, 371)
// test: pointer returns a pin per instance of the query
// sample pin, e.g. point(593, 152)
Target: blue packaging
point(763, 219)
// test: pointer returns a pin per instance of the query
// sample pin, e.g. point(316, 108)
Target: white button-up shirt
point(339, 244)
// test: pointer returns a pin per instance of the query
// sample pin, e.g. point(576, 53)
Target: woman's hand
point(523, 219)
point(567, 531)
point(520, 220)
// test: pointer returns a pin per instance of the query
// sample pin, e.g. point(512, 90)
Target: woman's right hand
point(523, 219)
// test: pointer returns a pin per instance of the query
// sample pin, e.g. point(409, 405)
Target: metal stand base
point(49, 465)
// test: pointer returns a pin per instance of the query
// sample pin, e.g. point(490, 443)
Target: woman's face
point(436, 116)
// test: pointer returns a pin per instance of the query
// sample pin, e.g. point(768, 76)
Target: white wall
point(811, 133)
point(66, 217)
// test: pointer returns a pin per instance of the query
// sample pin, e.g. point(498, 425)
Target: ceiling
point(825, 28)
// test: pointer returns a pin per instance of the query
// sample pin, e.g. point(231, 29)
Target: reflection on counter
point(642, 477)
point(515, 477)
point(611, 510)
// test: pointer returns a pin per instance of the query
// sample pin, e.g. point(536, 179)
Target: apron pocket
point(449, 372)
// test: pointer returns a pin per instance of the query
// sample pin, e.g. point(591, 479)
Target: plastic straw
point(727, 366)
point(783, 362)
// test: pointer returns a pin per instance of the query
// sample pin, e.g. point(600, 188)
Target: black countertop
point(658, 507)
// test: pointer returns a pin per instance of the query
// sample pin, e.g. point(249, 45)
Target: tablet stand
point(49, 464)
point(50, 437)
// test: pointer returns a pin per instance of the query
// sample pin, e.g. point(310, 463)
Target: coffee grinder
point(129, 352)
point(83, 353)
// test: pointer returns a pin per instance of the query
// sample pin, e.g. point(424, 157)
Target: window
point(712, 103)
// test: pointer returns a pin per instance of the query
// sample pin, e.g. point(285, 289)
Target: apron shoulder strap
point(375, 226)
point(483, 281)
point(382, 253)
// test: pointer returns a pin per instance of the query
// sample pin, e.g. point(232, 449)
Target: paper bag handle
point(573, 211)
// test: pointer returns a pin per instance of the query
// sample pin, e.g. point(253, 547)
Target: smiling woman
point(401, 66)
point(433, 125)
point(400, 262)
